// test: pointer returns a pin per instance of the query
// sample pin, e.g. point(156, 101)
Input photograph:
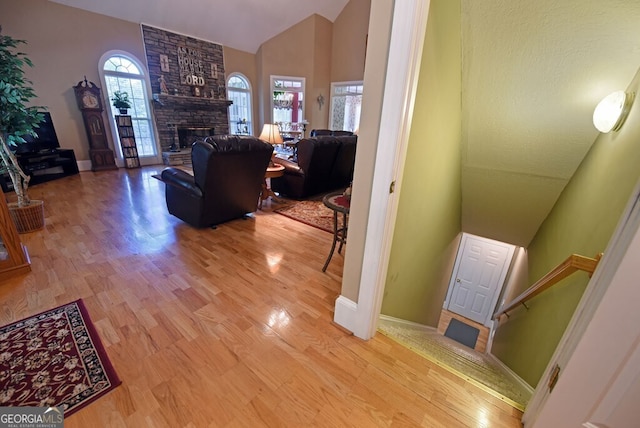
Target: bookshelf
point(127, 141)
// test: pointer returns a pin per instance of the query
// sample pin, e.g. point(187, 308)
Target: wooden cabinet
point(14, 259)
point(128, 141)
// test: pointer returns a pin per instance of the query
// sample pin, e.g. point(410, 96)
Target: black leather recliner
point(323, 164)
point(228, 172)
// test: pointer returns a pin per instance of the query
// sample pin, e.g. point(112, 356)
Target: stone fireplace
point(187, 135)
point(188, 83)
point(182, 112)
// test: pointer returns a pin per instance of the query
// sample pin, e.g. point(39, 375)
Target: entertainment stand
point(43, 166)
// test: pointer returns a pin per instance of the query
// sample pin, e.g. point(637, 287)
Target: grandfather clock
point(90, 104)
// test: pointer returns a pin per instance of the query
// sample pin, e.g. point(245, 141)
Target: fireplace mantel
point(167, 100)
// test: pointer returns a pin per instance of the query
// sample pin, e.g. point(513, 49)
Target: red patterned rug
point(54, 358)
point(313, 213)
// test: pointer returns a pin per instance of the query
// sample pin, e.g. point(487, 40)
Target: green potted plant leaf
point(121, 101)
point(17, 120)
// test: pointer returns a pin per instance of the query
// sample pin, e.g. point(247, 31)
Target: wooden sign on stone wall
point(183, 64)
point(191, 66)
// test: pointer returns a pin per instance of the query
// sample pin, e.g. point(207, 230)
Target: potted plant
point(121, 101)
point(16, 121)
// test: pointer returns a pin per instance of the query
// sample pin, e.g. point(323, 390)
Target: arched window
point(239, 91)
point(122, 72)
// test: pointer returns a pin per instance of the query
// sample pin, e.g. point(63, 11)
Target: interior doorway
point(478, 276)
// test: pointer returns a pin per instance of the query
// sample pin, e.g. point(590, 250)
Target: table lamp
point(271, 134)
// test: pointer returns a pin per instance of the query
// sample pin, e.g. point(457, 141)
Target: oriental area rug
point(314, 213)
point(54, 358)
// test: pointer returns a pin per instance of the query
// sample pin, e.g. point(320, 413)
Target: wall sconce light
point(611, 112)
point(320, 100)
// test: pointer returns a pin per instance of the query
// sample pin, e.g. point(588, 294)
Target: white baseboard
point(346, 314)
point(84, 165)
point(407, 323)
point(521, 381)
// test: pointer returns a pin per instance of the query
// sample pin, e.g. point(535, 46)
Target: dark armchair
point(228, 172)
point(323, 164)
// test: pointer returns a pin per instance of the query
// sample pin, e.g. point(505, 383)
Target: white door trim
point(403, 67)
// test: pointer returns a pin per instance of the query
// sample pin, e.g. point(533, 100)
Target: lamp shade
point(271, 134)
point(611, 112)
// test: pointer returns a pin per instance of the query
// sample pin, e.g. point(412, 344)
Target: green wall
point(582, 221)
point(428, 221)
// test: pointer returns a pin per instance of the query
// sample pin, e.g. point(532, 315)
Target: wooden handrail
point(572, 264)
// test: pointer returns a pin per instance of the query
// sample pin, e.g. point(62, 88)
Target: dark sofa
point(228, 173)
point(323, 164)
point(325, 132)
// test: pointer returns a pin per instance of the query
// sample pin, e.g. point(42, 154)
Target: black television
point(46, 141)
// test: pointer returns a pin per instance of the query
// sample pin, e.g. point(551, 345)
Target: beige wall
point(318, 50)
point(428, 222)
point(236, 61)
point(295, 53)
point(350, 31)
point(321, 79)
point(65, 44)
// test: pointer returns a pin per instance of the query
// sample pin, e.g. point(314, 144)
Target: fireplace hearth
point(187, 135)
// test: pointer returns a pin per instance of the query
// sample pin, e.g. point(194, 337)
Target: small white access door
point(478, 275)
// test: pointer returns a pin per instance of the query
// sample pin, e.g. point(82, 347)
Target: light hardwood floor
point(228, 327)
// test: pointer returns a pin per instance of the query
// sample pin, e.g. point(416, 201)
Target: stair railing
point(572, 264)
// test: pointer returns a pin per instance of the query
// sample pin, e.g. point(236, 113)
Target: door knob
point(457, 279)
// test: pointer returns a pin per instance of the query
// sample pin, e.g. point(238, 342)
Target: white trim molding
point(507, 369)
point(408, 29)
point(411, 324)
point(346, 312)
point(84, 165)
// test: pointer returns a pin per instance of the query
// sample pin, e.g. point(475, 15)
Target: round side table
point(273, 171)
point(338, 203)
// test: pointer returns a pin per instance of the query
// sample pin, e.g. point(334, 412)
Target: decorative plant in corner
point(121, 101)
point(16, 119)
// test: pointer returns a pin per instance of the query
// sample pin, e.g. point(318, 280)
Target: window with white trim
point(123, 73)
point(239, 91)
point(287, 99)
point(346, 104)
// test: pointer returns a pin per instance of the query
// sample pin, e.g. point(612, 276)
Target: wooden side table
point(273, 171)
point(338, 203)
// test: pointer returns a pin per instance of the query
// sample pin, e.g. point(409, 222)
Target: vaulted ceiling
point(532, 73)
point(240, 24)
